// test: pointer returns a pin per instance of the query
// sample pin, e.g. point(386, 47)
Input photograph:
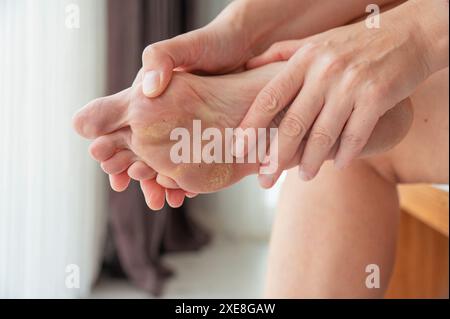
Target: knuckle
point(333, 64)
point(352, 141)
point(268, 101)
point(353, 75)
point(276, 46)
point(321, 137)
point(310, 47)
point(292, 125)
point(376, 92)
point(357, 69)
point(149, 51)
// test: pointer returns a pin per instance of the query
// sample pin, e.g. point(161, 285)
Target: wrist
point(423, 27)
point(247, 20)
point(431, 29)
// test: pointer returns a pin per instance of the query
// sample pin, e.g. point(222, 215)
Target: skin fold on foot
point(132, 132)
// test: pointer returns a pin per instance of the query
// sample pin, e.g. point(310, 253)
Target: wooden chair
point(422, 268)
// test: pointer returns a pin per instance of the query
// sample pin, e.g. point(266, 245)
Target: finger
point(294, 162)
point(154, 194)
point(161, 58)
point(140, 171)
point(273, 98)
point(280, 51)
point(191, 195)
point(324, 134)
point(293, 127)
point(102, 116)
point(119, 182)
point(354, 138)
point(175, 197)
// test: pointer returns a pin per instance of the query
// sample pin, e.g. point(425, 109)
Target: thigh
point(422, 157)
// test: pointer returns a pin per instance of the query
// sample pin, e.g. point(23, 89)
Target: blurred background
point(63, 233)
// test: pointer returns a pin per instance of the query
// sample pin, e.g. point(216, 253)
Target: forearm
point(264, 22)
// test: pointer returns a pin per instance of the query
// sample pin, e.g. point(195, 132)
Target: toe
point(119, 182)
point(119, 163)
point(174, 191)
point(166, 182)
point(175, 197)
point(102, 116)
point(154, 194)
point(140, 171)
point(104, 147)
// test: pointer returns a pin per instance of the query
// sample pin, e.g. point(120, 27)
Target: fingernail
point(304, 175)
point(151, 82)
point(238, 149)
point(266, 181)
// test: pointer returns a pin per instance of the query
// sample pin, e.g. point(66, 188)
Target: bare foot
point(132, 132)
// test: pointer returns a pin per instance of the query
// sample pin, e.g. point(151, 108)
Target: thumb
point(161, 58)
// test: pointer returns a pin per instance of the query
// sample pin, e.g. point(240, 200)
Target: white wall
point(51, 192)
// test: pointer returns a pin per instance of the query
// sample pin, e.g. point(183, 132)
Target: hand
point(337, 85)
point(218, 48)
point(244, 29)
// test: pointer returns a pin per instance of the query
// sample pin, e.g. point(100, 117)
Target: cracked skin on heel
point(213, 177)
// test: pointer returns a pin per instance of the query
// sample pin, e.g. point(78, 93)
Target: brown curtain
point(138, 237)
